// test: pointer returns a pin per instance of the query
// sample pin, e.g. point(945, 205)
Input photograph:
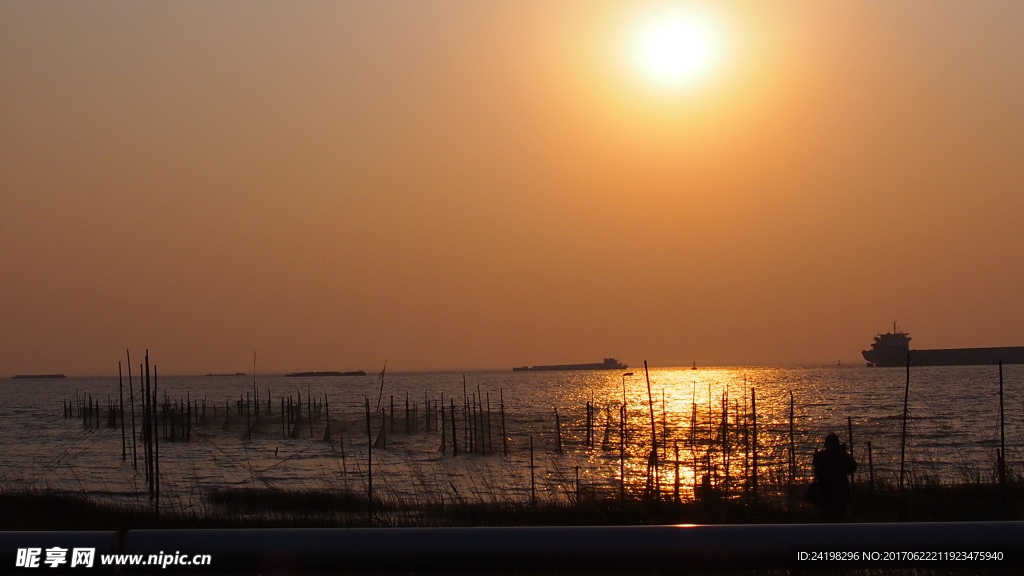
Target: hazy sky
point(462, 184)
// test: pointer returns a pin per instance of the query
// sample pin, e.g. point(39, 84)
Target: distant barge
point(310, 374)
point(36, 376)
point(608, 364)
point(893, 349)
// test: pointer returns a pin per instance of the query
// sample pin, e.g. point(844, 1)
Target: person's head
point(832, 441)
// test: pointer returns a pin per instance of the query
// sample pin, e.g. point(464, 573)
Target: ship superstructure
point(893, 349)
point(608, 364)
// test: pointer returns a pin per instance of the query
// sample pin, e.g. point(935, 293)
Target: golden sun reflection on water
point(728, 431)
point(712, 428)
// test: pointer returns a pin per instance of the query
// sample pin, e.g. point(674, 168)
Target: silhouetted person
point(832, 469)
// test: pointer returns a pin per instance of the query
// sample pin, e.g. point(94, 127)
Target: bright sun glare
point(675, 48)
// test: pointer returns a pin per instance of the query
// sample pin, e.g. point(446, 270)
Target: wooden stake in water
point(369, 463)
point(871, 468)
point(482, 436)
point(381, 395)
point(455, 432)
point(664, 425)
point(504, 437)
point(248, 419)
point(255, 392)
point(327, 413)
point(849, 427)
point(1002, 433)
point(124, 440)
point(533, 483)
point(147, 424)
point(490, 444)
point(903, 434)
point(652, 461)
point(558, 432)
point(753, 443)
point(792, 450)
point(156, 442)
point(675, 487)
point(726, 444)
point(622, 453)
point(589, 438)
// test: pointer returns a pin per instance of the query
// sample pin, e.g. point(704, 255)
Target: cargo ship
point(36, 376)
point(608, 364)
point(312, 374)
point(893, 349)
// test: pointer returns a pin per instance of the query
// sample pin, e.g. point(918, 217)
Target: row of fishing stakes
point(150, 436)
point(469, 427)
point(472, 421)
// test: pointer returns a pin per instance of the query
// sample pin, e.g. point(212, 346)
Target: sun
point(675, 48)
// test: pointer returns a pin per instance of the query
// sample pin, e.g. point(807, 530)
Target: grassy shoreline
point(265, 508)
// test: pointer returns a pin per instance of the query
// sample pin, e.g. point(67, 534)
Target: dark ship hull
point(893, 349)
point(608, 364)
point(948, 357)
point(312, 374)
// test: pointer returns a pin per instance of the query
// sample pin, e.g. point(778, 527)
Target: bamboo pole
point(455, 434)
point(675, 486)
point(255, 391)
point(156, 443)
point(369, 463)
point(558, 431)
point(248, 419)
point(124, 439)
point(903, 434)
point(533, 482)
point(622, 453)
point(504, 435)
point(481, 436)
point(589, 438)
point(849, 428)
point(1002, 433)
point(753, 424)
point(148, 427)
point(652, 461)
point(792, 450)
point(871, 468)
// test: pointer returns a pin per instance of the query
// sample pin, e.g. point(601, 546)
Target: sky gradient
point(472, 185)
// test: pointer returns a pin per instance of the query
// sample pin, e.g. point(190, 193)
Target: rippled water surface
point(952, 433)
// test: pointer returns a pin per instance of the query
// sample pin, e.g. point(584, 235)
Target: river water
point(953, 431)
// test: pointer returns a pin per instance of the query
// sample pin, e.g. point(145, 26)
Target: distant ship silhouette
point(893, 349)
point(608, 364)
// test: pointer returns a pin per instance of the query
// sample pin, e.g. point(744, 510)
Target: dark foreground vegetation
point(267, 508)
point(270, 508)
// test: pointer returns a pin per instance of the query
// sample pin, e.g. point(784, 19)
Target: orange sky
point(460, 185)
